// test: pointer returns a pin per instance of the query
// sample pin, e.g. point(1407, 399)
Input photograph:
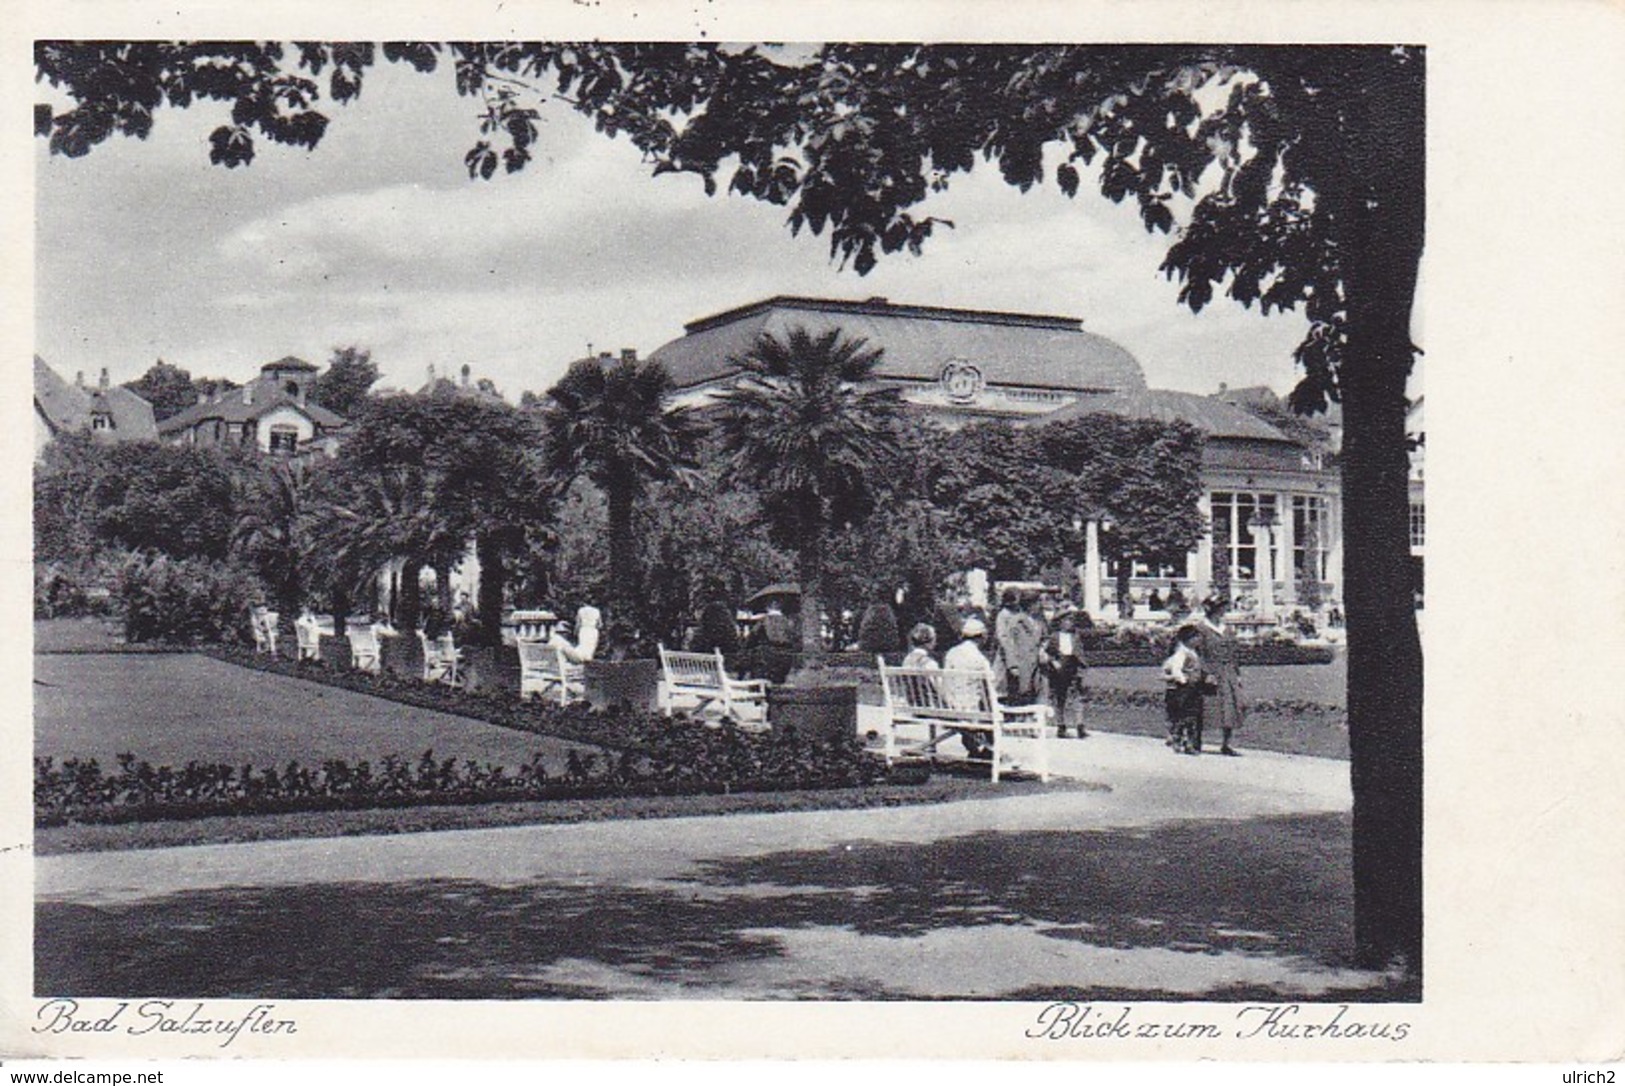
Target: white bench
point(543, 670)
point(925, 706)
point(703, 677)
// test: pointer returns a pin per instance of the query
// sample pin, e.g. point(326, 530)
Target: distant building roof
point(1215, 418)
point(69, 407)
point(1014, 349)
point(266, 396)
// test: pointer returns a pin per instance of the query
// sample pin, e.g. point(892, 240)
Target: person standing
point(1062, 659)
point(1020, 635)
point(1182, 672)
point(1221, 685)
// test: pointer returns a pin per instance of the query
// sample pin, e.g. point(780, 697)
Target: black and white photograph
point(591, 520)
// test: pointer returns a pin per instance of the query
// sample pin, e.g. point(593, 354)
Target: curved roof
point(289, 362)
point(1019, 349)
point(1214, 418)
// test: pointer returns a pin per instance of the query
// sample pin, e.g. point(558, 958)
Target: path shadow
point(1271, 887)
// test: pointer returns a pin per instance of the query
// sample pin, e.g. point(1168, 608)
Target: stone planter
point(336, 652)
point(487, 668)
point(613, 682)
point(828, 711)
point(401, 656)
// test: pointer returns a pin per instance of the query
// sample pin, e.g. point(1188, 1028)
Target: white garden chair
point(364, 651)
point(441, 660)
point(309, 635)
point(544, 669)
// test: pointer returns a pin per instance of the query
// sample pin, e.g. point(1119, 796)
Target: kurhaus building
point(1270, 496)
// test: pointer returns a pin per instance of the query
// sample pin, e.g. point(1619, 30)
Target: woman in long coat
point(1221, 675)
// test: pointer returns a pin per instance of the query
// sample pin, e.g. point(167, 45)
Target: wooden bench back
point(693, 670)
point(938, 695)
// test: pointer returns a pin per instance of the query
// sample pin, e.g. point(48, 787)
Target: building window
point(284, 439)
point(1311, 532)
point(1418, 525)
point(100, 421)
point(1233, 512)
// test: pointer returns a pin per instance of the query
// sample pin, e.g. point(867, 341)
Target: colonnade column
point(1091, 570)
point(1203, 574)
point(1264, 563)
point(1287, 541)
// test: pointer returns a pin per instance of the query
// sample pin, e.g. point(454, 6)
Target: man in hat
point(968, 656)
point(1062, 658)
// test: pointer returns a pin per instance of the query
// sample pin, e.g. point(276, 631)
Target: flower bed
point(683, 757)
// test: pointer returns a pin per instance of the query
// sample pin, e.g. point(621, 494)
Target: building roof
point(1018, 349)
point(68, 407)
point(229, 407)
point(64, 406)
point(1215, 418)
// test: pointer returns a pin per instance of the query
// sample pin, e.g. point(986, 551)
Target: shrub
point(877, 630)
point(183, 600)
point(75, 589)
point(716, 629)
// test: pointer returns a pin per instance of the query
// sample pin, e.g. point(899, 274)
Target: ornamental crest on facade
point(961, 381)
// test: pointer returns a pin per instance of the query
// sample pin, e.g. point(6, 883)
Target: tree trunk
point(810, 572)
point(341, 610)
point(1382, 243)
point(409, 605)
point(493, 581)
point(623, 561)
point(1125, 599)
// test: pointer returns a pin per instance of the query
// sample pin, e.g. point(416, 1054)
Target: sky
point(378, 239)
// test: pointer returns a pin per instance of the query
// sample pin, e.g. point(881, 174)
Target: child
point(1182, 671)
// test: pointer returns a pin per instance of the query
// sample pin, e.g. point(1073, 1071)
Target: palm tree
point(271, 533)
point(611, 423)
point(810, 432)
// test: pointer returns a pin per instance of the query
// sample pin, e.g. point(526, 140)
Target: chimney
point(103, 385)
point(79, 379)
point(431, 374)
point(629, 354)
point(465, 374)
point(248, 393)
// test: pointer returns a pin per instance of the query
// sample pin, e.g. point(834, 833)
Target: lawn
point(171, 709)
point(1320, 684)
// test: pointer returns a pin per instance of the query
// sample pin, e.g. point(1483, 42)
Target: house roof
point(1019, 349)
point(64, 406)
point(68, 407)
point(231, 408)
point(1215, 418)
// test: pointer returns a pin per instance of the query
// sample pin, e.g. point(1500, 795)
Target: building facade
point(1270, 490)
point(273, 412)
